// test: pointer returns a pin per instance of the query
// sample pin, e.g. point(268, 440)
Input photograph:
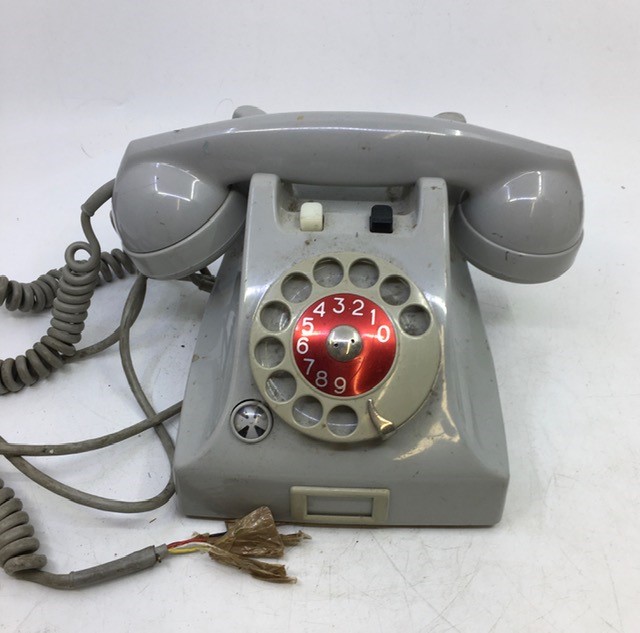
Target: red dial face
point(344, 344)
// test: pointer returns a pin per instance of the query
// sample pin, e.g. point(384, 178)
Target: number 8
point(321, 379)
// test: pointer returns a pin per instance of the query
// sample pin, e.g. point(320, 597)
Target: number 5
point(307, 326)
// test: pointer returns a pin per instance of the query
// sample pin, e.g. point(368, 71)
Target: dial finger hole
point(395, 290)
point(307, 411)
point(281, 386)
point(269, 352)
point(415, 320)
point(328, 272)
point(364, 273)
point(296, 287)
point(275, 316)
point(342, 421)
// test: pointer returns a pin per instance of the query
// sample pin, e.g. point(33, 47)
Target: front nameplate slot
point(339, 506)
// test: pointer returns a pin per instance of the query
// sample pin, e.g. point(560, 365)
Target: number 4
point(319, 309)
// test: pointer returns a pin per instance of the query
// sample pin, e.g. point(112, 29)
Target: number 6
point(302, 346)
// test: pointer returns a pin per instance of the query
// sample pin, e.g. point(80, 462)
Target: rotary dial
point(344, 348)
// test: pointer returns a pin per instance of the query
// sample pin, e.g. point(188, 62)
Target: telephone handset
point(518, 204)
point(342, 373)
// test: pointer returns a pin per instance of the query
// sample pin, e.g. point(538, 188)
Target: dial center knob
point(344, 343)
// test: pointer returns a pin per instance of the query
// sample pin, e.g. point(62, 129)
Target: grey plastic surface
point(520, 212)
point(199, 248)
point(445, 466)
point(166, 203)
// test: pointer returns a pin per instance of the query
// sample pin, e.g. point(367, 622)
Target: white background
point(78, 80)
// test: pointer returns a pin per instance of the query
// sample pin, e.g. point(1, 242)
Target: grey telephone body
point(413, 435)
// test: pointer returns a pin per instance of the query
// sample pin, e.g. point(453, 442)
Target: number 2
point(357, 311)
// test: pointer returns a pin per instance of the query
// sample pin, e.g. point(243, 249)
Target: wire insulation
point(130, 313)
point(93, 444)
point(19, 557)
point(69, 301)
point(68, 292)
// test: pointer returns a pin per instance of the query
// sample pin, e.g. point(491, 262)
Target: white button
point(311, 216)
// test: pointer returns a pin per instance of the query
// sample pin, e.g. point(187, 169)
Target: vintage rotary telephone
point(342, 373)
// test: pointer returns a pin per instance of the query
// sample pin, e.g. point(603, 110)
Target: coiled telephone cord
point(19, 557)
point(38, 295)
point(68, 292)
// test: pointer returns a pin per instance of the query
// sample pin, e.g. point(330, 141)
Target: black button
point(381, 219)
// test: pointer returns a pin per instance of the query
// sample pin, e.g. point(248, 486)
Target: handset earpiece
point(527, 228)
point(173, 221)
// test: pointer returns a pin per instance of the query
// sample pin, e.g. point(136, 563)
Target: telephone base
point(445, 466)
